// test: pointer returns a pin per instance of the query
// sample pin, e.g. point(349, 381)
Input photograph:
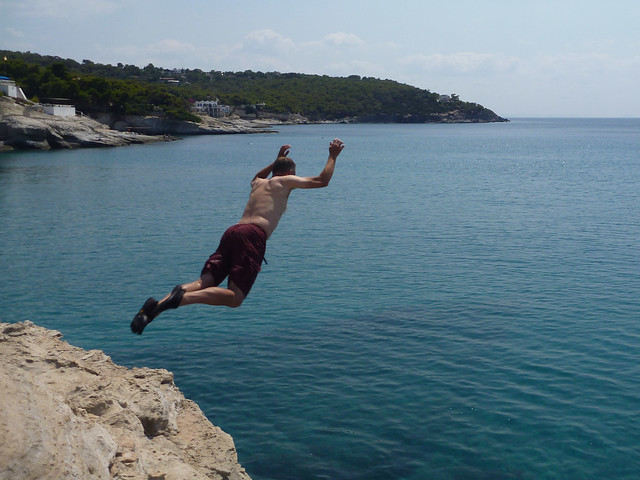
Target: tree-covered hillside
point(128, 89)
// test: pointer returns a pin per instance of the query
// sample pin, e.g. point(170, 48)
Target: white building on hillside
point(59, 110)
point(212, 108)
point(10, 89)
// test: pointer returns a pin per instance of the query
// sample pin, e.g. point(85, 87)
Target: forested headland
point(130, 90)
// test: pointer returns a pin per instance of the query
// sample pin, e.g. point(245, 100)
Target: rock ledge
point(25, 126)
point(68, 413)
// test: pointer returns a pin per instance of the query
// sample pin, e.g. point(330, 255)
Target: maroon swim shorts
point(239, 256)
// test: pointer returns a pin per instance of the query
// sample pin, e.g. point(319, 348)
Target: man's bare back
point(267, 202)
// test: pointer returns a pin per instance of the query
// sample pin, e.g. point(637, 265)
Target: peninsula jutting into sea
point(156, 101)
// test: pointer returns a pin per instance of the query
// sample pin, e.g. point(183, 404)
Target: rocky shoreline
point(26, 126)
point(70, 413)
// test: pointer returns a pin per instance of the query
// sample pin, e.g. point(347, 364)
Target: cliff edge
point(68, 413)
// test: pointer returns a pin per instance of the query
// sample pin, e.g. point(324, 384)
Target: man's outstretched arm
point(324, 178)
point(335, 148)
point(264, 173)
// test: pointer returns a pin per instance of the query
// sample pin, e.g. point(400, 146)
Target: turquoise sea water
point(462, 302)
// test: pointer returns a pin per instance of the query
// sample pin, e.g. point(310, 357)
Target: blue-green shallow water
point(462, 302)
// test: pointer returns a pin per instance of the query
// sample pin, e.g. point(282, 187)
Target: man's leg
point(202, 291)
point(205, 291)
point(152, 308)
point(213, 295)
point(190, 287)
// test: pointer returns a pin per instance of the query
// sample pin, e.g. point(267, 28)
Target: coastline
point(25, 126)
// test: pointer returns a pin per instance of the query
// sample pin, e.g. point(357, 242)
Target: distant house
point(59, 110)
point(212, 108)
point(60, 107)
point(10, 89)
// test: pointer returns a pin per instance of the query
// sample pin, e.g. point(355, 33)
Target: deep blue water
point(462, 302)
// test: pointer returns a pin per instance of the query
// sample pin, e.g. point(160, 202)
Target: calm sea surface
point(462, 302)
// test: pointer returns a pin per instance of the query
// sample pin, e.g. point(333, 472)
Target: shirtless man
point(241, 251)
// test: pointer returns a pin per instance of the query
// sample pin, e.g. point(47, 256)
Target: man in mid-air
point(242, 247)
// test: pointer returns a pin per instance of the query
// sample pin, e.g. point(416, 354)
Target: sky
point(519, 58)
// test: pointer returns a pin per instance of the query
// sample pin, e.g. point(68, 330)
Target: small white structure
point(212, 108)
point(59, 110)
point(10, 89)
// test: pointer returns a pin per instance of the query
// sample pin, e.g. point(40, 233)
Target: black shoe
point(174, 299)
point(144, 316)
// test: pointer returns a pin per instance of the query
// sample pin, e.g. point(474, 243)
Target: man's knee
point(238, 296)
point(236, 301)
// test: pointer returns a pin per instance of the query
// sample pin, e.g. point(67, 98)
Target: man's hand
point(284, 151)
point(335, 148)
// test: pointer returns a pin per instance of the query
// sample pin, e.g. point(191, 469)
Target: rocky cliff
point(67, 413)
point(27, 126)
point(208, 126)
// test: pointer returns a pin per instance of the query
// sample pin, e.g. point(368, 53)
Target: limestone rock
point(25, 126)
point(67, 413)
point(208, 125)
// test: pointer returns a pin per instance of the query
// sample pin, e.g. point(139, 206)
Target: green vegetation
point(127, 89)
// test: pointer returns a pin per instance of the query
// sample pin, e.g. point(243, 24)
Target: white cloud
point(172, 46)
point(163, 53)
point(353, 67)
point(267, 40)
point(263, 50)
point(565, 83)
point(461, 62)
point(343, 39)
point(336, 39)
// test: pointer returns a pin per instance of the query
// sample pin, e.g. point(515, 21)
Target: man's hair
point(283, 165)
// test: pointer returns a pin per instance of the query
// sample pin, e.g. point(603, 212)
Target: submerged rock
point(68, 413)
